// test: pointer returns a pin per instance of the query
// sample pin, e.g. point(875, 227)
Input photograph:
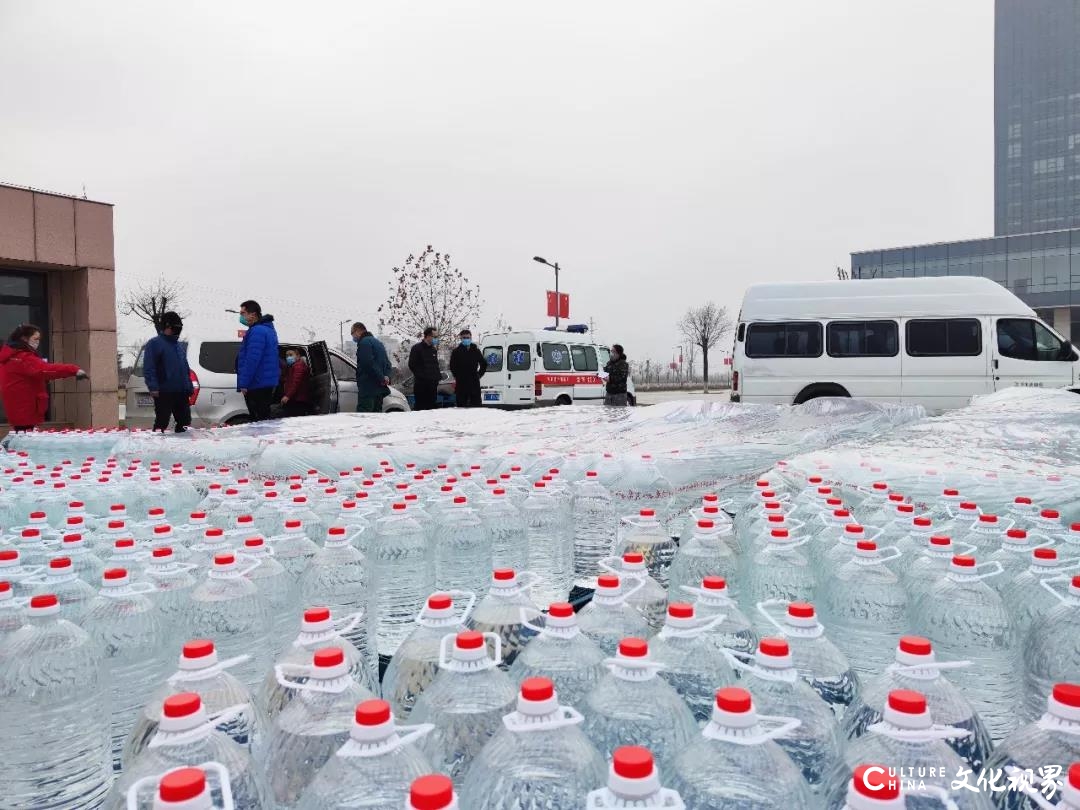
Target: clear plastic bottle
point(404, 570)
point(877, 787)
point(11, 610)
point(595, 527)
point(432, 792)
point(1051, 649)
point(814, 745)
point(917, 669)
point(227, 607)
point(202, 672)
point(779, 571)
point(341, 578)
point(609, 618)
point(818, 661)
point(143, 530)
point(505, 609)
point(736, 763)
point(416, 661)
point(967, 620)
point(1025, 598)
point(212, 543)
point(318, 629)
point(293, 548)
point(1023, 512)
point(184, 788)
point(374, 768)
point(985, 533)
point(33, 547)
point(462, 548)
point(550, 551)
point(190, 532)
point(649, 598)
point(540, 756)
point(929, 567)
point(1014, 554)
point(1049, 742)
point(907, 734)
point(563, 654)
point(633, 781)
point(733, 630)
point(646, 535)
point(242, 528)
point(54, 711)
point(187, 736)
point(867, 607)
point(313, 726)
point(88, 566)
point(466, 702)
point(123, 622)
point(633, 705)
point(276, 585)
point(61, 580)
point(705, 553)
point(506, 525)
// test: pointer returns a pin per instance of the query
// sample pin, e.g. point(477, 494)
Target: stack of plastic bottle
point(434, 623)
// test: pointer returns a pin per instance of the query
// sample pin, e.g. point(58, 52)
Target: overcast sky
point(664, 153)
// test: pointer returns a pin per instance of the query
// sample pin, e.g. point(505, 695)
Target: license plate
point(491, 396)
point(144, 402)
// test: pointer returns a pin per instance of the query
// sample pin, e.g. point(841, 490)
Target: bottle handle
point(734, 658)
point(762, 608)
point(936, 792)
point(564, 716)
point(527, 580)
point(692, 632)
point(1048, 584)
point(445, 662)
point(996, 564)
point(896, 555)
point(162, 739)
point(223, 779)
point(936, 665)
point(702, 593)
point(346, 624)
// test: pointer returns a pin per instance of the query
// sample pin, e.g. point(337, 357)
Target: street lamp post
point(341, 333)
point(555, 267)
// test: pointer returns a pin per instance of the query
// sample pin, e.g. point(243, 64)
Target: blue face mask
point(466, 342)
point(242, 319)
point(290, 359)
point(355, 339)
point(434, 341)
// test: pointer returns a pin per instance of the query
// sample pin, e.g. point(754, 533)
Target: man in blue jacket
point(258, 367)
point(372, 370)
point(167, 375)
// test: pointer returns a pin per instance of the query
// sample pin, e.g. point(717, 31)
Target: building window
point(1015, 131)
point(862, 339)
point(23, 299)
point(783, 340)
point(1014, 150)
point(943, 337)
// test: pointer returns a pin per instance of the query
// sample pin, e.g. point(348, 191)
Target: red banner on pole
point(563, 304)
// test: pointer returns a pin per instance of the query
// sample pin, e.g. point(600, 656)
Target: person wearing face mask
point(297, 398)
point(24, 377)
point(468, 365)
point(618, 372)
point(424, 365)
point(168, 378)
point(258, 368)
point(372, 370)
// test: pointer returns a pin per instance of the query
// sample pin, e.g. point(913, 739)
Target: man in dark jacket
point(372, 370)
point(618, 372)
point(258, 367)
point(468, 365)
point(424, 365)
point(167, 375)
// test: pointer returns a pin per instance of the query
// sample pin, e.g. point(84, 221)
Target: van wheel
point(564, 400)
point(394, 410)
point(238, 420)
point(819, 390)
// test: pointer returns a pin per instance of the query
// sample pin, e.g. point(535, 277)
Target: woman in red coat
point(297, 383)
point(23, 378)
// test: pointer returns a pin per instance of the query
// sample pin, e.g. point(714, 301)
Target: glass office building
point(1042, 269)
point(1036, 115)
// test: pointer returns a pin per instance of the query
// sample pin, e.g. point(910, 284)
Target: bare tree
point(705, 326)
point(150, 301)
point(427, 290)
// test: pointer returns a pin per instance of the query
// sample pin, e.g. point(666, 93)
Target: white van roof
point(881, 298)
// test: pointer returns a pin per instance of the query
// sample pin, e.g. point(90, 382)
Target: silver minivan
point(217, 402)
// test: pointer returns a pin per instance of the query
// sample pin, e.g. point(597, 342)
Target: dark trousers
point(468, 393)
point(371, 404)
point(258, 402)
point(171, 405)
point(294, 408)
point(426, 394)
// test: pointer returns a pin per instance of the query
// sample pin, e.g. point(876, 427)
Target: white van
point(543, 367)
point(934, 342)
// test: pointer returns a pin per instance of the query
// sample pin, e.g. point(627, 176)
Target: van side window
point(584, 358)
point(1025, 339)
point(783, 340)
point(862, 339)
point(741, 334)
point(519, 357)
point(494, 357)
point(220, 358)
point(944, 337)
point(556, 357)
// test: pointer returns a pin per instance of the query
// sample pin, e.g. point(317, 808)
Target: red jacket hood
point(8, 351)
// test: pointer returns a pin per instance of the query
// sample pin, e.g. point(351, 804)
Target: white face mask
point(34, 343)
